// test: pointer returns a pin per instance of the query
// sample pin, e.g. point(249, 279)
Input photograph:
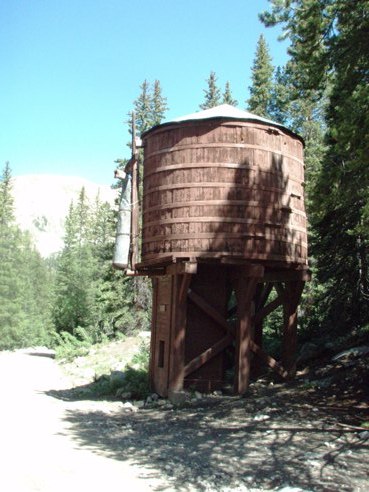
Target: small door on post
point(160, 333)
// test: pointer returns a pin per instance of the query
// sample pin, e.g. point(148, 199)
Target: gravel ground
point(303, 436)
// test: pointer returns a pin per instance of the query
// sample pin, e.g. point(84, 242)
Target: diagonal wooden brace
point(269, 361)
point(209, 310)
point(208, 354)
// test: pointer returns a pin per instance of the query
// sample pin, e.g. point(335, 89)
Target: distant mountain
point(42, 202)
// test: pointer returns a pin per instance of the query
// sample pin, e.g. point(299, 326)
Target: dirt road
point(37, 450)
point(302, 436)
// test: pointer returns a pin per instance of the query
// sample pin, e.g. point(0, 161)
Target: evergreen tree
point(6, 198)
point(149, 108)
point(227, 96)
point(25, 282)
point(158, 104)
point(143, 109)
point(281, 96)
point(91, 298)
point(76, 272)
point(212, 93)
point(262, 81)
point(329, 46)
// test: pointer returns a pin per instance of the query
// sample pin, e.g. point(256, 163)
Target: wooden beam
point(244, 293)
point(158, 272)
point(209, 310)
point(269, 308)
point(258, 340)
point(153, 332)
point(263, 296)
point(246, 269)
point(288, 275)
point(178, 322)
point(244, 280)
point(182, 268)
point(280, 288)
point(263, 291)
point(293, 291)
point(208, 354)
point(158, 262)
point(267, 258)
point(183, 288)
point(269, 361)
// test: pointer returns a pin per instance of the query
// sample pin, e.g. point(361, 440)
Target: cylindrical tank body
point(224, 186)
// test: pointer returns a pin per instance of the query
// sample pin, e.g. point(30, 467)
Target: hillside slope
point(42, 202)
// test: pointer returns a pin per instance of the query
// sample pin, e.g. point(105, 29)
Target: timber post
point(245, 282)
point(179, 322)
point(293, 292)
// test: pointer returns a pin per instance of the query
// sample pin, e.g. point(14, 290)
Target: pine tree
point(143, 109)
point(6, 198)
point(158, 104)
point(279, 104)
point(76, 271)
point(134, 310)
point(262, 78)
point(329, 47)
point(25, 284)
point(212, 93)
point(91, 295)
point(227, 96)
point(149, 108)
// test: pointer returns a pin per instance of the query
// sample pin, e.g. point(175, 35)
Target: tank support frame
point(203, 312)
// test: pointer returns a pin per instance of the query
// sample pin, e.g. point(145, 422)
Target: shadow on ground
point(90, 391)
point(277, 436)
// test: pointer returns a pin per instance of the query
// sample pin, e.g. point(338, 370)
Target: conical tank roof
point(223, 111)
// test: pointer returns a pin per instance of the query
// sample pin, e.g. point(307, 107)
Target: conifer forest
point(322, 94)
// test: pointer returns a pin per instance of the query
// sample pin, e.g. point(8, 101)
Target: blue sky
point(71, 70)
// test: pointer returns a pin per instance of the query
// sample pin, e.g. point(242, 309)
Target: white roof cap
point(223, 111)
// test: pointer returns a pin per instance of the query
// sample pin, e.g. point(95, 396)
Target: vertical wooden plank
point(258, 339)
point(160, 342)
point(153, 333)
point(178, 332)
point(244, 282)
point(262, 294)
point(293, 291)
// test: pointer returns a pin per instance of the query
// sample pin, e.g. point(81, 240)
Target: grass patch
point(131, 379)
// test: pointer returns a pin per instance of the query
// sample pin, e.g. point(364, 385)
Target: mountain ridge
point(41, 204)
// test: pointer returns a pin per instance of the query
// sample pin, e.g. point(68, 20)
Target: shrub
point(68, 345)
point(136, 382)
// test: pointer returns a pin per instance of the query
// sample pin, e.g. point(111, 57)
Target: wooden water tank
point(223, 182)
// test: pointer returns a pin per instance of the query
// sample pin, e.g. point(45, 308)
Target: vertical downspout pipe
point(123, 233)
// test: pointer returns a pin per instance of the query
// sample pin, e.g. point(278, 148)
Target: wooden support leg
point(153, 333)
point(258, 339)
point(293, 291)
point(177, 372)
point(245, 286)
point(262, 294)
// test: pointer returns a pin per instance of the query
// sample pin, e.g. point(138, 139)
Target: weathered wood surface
point(181, 284)
point(229, 188)
point(161, 333)
point(293, 292)
point(194, 334)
